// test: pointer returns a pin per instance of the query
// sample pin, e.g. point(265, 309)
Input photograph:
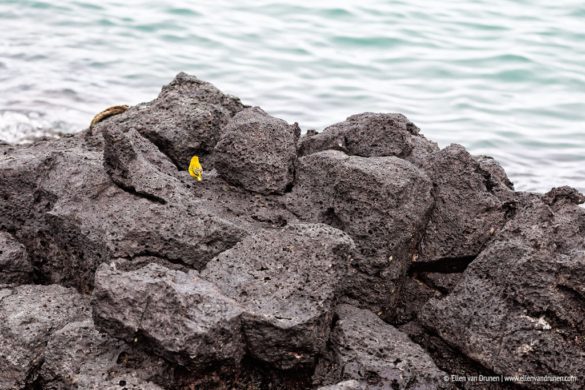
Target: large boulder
point(29, 316)
point(258, 152)
point(519, 308)
point(177, 315)
point(185, 119)
point(287, 282)
point(381, 202)
point(366, 349)
point(15, 266)
point(372, 135)
point(468, 211)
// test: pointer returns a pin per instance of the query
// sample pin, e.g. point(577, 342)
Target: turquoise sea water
point(502, 77)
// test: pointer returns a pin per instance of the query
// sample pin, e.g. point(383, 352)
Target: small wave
point(17, 127)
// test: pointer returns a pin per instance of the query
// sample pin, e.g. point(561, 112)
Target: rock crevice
point(361, 257)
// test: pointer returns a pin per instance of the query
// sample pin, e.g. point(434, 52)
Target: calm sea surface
point(502, 77)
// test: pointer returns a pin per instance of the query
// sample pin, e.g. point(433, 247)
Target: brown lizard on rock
point(108, 112)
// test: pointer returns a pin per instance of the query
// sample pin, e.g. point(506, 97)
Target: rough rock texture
point(232, 282)
point(15, 266)
point(287, 282)
point(180, 316)
point(186, 119)
point(346, 385)
point(63, 206)
point(372, 135)
point(455, 231)
point(381, 202)
point(520, 307)
point(29, 315)
point(257, 152)
point(136, 165)
point(368, 350)
point(79, 357)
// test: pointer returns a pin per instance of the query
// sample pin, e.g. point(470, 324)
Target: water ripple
point(504, 78)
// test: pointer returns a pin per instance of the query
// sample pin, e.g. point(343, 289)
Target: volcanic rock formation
point(362, 257)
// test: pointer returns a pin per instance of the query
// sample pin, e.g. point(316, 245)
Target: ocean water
point(502, 77)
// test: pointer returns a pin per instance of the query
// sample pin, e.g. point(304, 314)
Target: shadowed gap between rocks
point(144, 195)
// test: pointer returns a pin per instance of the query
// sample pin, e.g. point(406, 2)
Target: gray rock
point(186, 118)
point(381, 202)
point(15, 266)
point(79, 357)
point(177, 315)
point(496, 179)
point(369, 350)
point(467, 213)
point(62, 186)
point(286, 281)
point(519, 309)
point(29, 316)
point(252, 211)
point(138, 166)
point(372, 135)
point(413, 296)
point(257, 152)
point(346, 385)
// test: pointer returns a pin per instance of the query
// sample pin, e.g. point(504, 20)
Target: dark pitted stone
point(29, 316)
point(372, 135)
point(467, 212)
point(61, 187)
point(346, 385)
point(15, 266)
point(79, 357)
point(369, 350)
point(381, 202)
point(287, 282)
point(488, 280)
point(177, 315)
point(138, 166)
point(258, 152)
point(185, 119)
point(519, 309)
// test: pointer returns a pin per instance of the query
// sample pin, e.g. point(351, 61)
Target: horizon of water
point(503, 78)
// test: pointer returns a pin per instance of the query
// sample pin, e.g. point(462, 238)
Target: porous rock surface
point(79, 356)
point(176, 314)
point(361, 257)
point(187, 118)
point(381, 202)
point(372, 135)
point(30, 315)
point(519, 309)
point(366, 349)
point(257, 152)
point(15, 266)
point(287, 282)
